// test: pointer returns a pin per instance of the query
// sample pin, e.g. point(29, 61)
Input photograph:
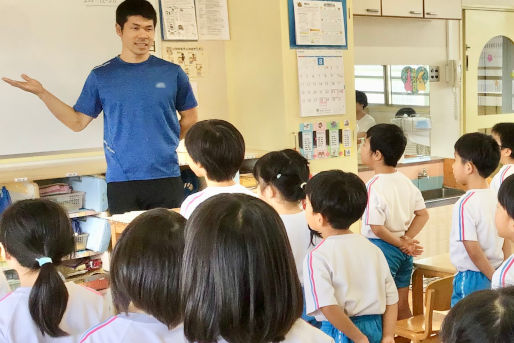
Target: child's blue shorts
point(370, 325)
point(309, 319)
point(465, 283)
point(399, 263)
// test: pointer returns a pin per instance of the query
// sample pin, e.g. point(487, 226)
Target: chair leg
point(399, 339)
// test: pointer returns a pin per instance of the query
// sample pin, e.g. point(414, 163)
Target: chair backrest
point(442, 293)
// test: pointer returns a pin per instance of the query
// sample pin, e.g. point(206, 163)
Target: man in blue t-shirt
point(139, 95)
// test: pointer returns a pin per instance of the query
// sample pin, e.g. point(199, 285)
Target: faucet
point(423, 174)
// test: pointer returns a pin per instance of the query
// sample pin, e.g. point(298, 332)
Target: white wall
point(489, 3)
point(416, 41)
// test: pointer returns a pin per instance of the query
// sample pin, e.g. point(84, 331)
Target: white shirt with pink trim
point(473, 220)
point(133, 328)
point(85, 308)
point(392, 200)
point(504, 275)
point(195, 199)
point(502, 174)
point(349, 271)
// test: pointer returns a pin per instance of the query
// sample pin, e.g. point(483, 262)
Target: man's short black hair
point(340, 197)
point(506, 195)
point(481, 150)
point(146, 264)
point(390, 140)
point(132, 8)
point(361, 98)
point(506, 133)
point(217, 146)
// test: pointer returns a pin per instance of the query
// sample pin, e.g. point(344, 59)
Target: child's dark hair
point(390, 140)
point(506, 195)
point(479, 149)
point(217, 146)
point(481, 317)
point(146, 263)
point(286, 170)
point(506, 133)
point(340, 197)
point(240, 281)
point(361, 98)
point(133, 8)
point(34, 229)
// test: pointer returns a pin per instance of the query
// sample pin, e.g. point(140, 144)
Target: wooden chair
point(420, 328)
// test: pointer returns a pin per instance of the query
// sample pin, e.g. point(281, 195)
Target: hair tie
point(279, 175)
point(43, 260)
point(302, 186)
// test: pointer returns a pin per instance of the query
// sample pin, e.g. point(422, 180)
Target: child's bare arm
point(389, 322)
point(477, 256)
point(419, 221)
point(507, 248)
point(384, 234)
point(342, 322)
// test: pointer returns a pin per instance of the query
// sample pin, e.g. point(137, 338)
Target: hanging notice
point(321, 140)
point(178, 20)
point(190, 58)
point(321, 82)
point(319, 23)
point(212, 18)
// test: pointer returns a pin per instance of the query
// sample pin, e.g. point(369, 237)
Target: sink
point(441, 194)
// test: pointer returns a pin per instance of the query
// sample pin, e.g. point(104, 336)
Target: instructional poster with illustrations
point(321, 82)
point(178, 20)
point(321, 140)
point(191, 59)
point(319, 23)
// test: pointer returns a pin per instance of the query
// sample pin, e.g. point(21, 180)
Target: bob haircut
point(217, 146)
point(506, 133)
point(31, 229)
point(340, 197)
point(286, 170)
point(145, 265)
point(481, 317)
point(481, 150)
point(133, 8)
point(389, 140)
point(506, 195)
point(239, 277)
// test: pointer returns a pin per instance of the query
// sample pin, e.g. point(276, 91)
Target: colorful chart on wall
point(317, 24)
point(414, 79)
point(321, 140)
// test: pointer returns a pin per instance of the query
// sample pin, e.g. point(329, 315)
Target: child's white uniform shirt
point(4, 285)
point(473, 220)
point(299, 238)
point(392, 200)
point(133, 328)
point(302, 332)
point(502, 174)
point(85, 307)
point(195, 199)
point(350, 271)
point(504, 276)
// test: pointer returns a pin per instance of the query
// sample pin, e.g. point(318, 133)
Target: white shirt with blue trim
point(85, 307)
point(504, 276)
point(502, 174)
point(4, 285)
point(350, 271)
point(473, 220)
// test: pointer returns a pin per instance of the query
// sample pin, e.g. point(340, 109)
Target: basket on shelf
point(81, 241)
point(70, 201)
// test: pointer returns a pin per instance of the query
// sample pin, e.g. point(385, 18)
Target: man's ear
point(119, 30)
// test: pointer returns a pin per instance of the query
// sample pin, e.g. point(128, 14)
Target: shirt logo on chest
point(160, 85)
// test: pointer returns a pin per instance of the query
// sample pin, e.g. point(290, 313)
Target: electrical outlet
point(434, 73)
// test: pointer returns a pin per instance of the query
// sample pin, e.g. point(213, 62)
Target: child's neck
point(476, 182)
point(212, 183)
point(286, 207)
point(329, 231)
point(507, 161)
point(27, 276)
point(383, 169)
point(360, 115)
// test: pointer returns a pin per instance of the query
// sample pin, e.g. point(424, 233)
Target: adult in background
point(139, 95)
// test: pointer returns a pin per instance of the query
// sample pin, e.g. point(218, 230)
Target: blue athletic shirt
point(141, 127)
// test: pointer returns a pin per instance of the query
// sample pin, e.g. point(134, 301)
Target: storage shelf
point(82, 213)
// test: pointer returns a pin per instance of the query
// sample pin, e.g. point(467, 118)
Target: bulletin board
point(329, 25)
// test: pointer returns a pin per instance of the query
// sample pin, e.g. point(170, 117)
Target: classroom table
point(435, 266)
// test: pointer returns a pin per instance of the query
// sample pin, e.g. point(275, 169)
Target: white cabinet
point(443, 9)
point(402, 8)
point(367, 7)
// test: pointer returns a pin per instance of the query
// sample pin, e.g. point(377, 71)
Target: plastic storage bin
point(99, 232)
point(81, 241)
point(71, 201)
point(95, 188)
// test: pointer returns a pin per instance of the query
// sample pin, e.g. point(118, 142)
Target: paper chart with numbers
point(321, 82)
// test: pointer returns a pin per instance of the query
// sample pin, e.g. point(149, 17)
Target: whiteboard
point(57, 42)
